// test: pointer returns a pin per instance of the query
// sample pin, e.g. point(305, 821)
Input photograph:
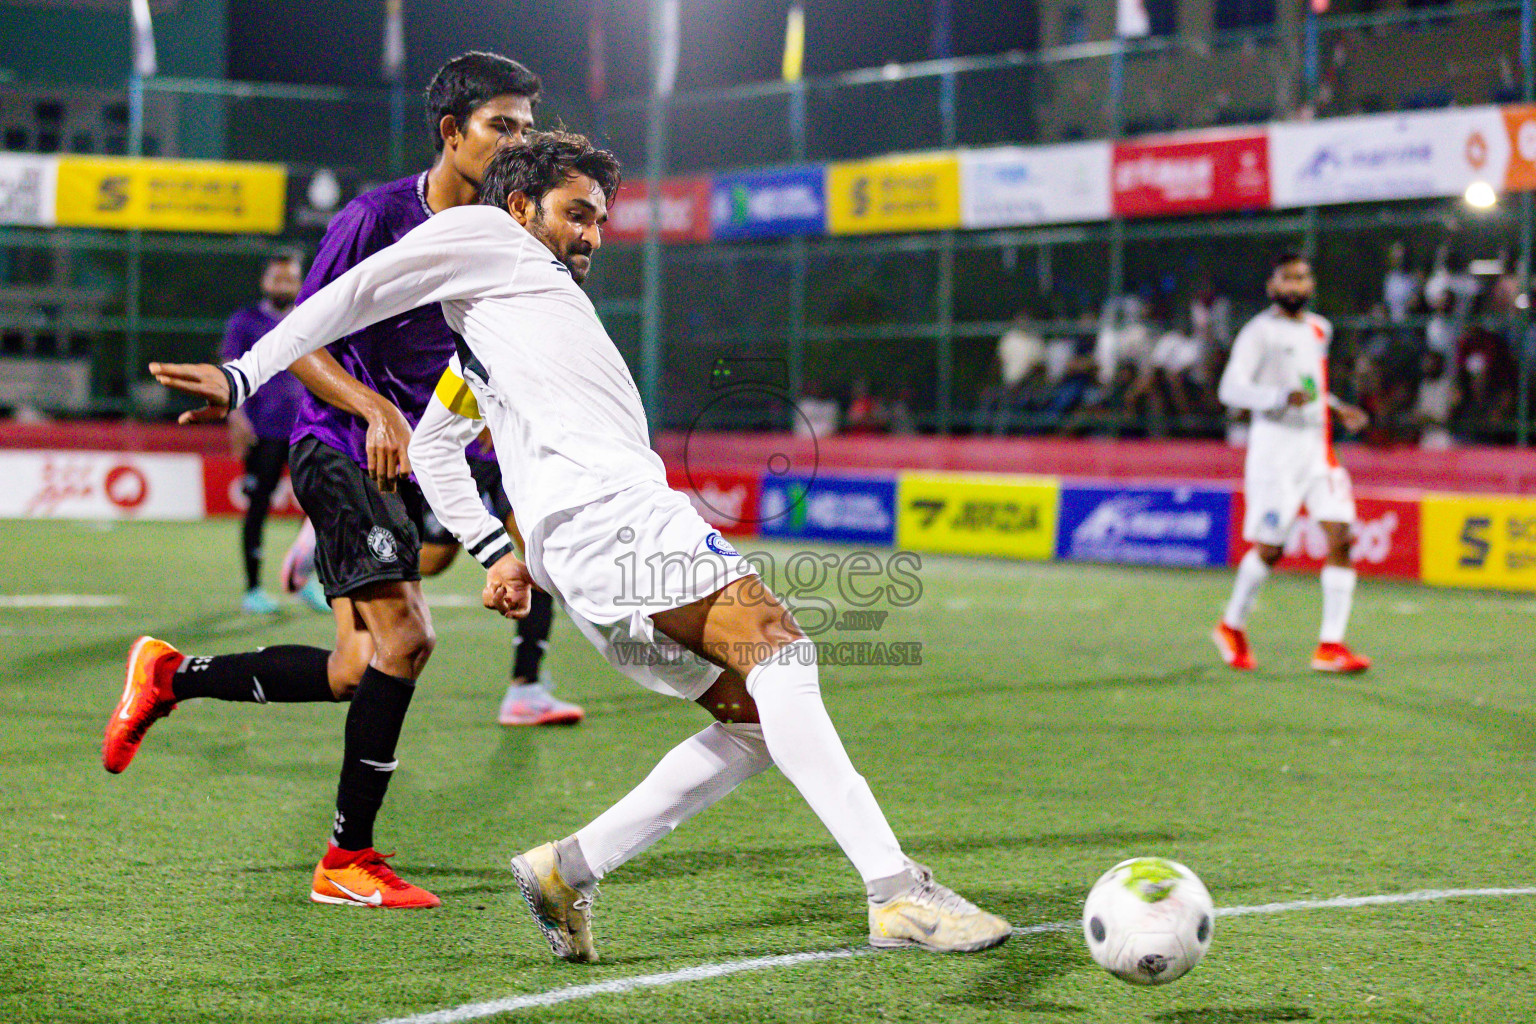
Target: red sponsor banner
point(222, 494)
point(684, 210)
point(1198, 173)
point(727, 500)
point(1386, 538)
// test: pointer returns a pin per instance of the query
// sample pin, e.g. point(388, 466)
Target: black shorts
point(487, 474)
point(362, 535)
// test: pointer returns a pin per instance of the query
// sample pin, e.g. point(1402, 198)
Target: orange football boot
point(1233, 645)
point(1338, 658)
point(146, 697)
point(360, 878)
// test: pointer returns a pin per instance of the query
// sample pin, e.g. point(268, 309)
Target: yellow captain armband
point(455, 394)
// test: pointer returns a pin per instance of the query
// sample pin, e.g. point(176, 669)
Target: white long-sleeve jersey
point(1274, 355)
point(563, 409)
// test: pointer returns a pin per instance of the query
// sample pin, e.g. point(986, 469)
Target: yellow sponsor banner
point(171, 195)
point(978, 514)
point(916, 193)
point(1474, 541)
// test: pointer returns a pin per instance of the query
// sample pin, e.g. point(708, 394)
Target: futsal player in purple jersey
point(259, 434)
point(350, 470)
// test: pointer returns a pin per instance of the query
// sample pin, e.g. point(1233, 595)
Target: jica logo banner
point(849, 509)
point(1144, 525)
point(779, 203)
point(978, 514)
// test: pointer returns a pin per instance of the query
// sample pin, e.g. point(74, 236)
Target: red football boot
point(146, 697)
point(1233, 645)
point(1338, 658)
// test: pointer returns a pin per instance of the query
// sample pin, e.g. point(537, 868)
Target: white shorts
point(615, 562)
point(1274, 495)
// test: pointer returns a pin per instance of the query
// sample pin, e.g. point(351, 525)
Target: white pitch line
point(62, 600)
point(704, 972)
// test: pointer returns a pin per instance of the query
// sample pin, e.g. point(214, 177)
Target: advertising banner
point(1193, 172)
point(776, 203)
point(223, 494)
point(1386, 537)
point(1013, 185)
point(1520, 136)
point(171, 195)
point(978, 514)
point(27, 189)
point(684, 210)
point(1480, 541)
point(727, 499)
point(1185, 526)
point(100, 485)
point(1411, 155)
point(846, 509)
point(907, 193)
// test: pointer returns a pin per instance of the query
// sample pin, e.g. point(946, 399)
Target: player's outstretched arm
point(200, 380)
point(437, 262)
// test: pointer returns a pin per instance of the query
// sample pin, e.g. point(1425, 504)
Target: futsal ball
point(1148, 920)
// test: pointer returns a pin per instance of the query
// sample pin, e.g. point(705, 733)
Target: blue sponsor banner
point(769, 204)
point(1144, 525)
point(848, 509)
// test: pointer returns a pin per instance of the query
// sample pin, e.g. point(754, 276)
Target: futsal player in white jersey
point(1279, 373)
point(641, 574)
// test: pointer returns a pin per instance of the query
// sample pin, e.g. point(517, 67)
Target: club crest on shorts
point(718, 545)
point(382, 543)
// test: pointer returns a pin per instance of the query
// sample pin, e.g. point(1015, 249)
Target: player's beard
point(540, 230)
point(1292, 304)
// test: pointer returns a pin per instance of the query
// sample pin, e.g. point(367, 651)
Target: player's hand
point(389, 437)
point(508, 587)
point(1353, 418)
point(1297, 398)
point(200, 380)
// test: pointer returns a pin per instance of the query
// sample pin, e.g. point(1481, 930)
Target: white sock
point(1251, 574)
point(693, 775)
point(1338, 594)
point(806, 747)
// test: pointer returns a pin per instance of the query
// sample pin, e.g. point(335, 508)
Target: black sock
point(533, 637)
point(289, 674)
point(373, 727)
point(250, 539)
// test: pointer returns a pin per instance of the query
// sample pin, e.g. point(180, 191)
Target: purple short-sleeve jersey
point(273, 409)
point(402, 357)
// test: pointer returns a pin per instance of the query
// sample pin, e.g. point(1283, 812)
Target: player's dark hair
point(469, 81)
point(283, 255)
point(543, 162)
point(1286, 258)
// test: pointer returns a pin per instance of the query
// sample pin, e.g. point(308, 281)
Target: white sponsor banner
point(100, 485)
point(27, 187)
point(1413, 155)
point(1034, 184)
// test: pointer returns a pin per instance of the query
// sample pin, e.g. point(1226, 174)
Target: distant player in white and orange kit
point(1279, 373)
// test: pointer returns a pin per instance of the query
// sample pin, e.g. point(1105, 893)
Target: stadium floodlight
point(1481, 196)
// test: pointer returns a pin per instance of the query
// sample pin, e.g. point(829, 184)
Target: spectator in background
point(1019, 366)
point(818, 413)
point(1401, 289)
point(902, 419)
point(1443, 328)
point(1487, 374)
point(866, 413)
point(1436, 402)
point(1176, 363)
point(258, 430)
